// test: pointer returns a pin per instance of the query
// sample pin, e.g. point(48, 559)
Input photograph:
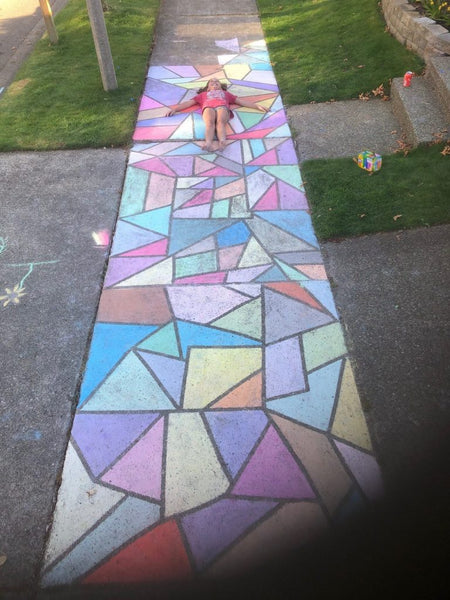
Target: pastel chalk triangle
point(229, 426)
point(158, 274)
point(155, 220)
point(169, 371)
point(246, 320)
point(268, 158)
point(349, 422)
point(315, 406)
point(120, 268)
point(272, 472)
point(302, 317)
point(269, 201)
point(129, 236)
point(110, 342)
point(296, 222)
point(155, 165)
point(164, 341)
point(322, 291)
point(289, 271)
point(158, 248)
point(247, 394)
point(273, 274)
point(254, 255)
point(140, 469)
point(103, 437)
point(129, 387)
point(296, 291)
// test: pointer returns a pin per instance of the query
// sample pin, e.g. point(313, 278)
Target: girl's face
point(214, 84)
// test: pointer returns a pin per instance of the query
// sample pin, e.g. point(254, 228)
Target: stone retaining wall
point(419, 34)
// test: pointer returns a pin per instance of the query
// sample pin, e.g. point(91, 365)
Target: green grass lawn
point(326, 49)
point(57, 99)
point(331, 49)
point(408, 191)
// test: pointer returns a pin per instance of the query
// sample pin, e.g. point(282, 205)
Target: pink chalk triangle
point(229, 257)
point(268, 158)
point(204, 197)
point(218, 277)
point(219, 172)
point(158, 248)
point(201, 165)
point(269, 200)
point(155, 165)
point(140, 469)
point(251, 134)
point(272, 472)
point(148, 103)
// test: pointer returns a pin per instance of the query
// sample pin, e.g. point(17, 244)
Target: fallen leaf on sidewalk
point(403, 146)
point(379, 91)
point(3, 559)
point(397, 217)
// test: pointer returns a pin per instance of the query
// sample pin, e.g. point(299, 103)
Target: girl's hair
point(205, 87)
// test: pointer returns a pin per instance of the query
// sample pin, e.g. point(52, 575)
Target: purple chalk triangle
point(103, 437)
point(286, 153)
point(365, 469)
point(140, 469)
point(212, 529)
point(236, 432)
point(183, 166)
point(291, 198)
point(274, 120)
point(120, 268)
point(273, 472)
point(169, 371)
point(301, 317)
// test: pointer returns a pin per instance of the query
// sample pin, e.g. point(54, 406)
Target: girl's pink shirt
point(214, 98)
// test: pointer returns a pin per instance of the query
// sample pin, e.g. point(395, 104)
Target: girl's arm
point(249, 104)
point(179, 107)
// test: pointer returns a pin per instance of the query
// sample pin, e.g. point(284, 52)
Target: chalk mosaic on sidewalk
point(218, 423)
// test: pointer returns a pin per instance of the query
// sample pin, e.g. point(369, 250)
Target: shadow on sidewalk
point(399, 547)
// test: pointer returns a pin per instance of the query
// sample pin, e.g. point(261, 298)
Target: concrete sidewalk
point(401, 385)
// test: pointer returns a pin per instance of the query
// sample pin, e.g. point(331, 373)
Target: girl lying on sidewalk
point(215, 101)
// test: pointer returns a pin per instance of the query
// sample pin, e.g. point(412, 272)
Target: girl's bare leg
point(209, 118)
point(222, 120)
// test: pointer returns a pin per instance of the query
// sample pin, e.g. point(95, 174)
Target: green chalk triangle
point(163, 341)
point(245, 320)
